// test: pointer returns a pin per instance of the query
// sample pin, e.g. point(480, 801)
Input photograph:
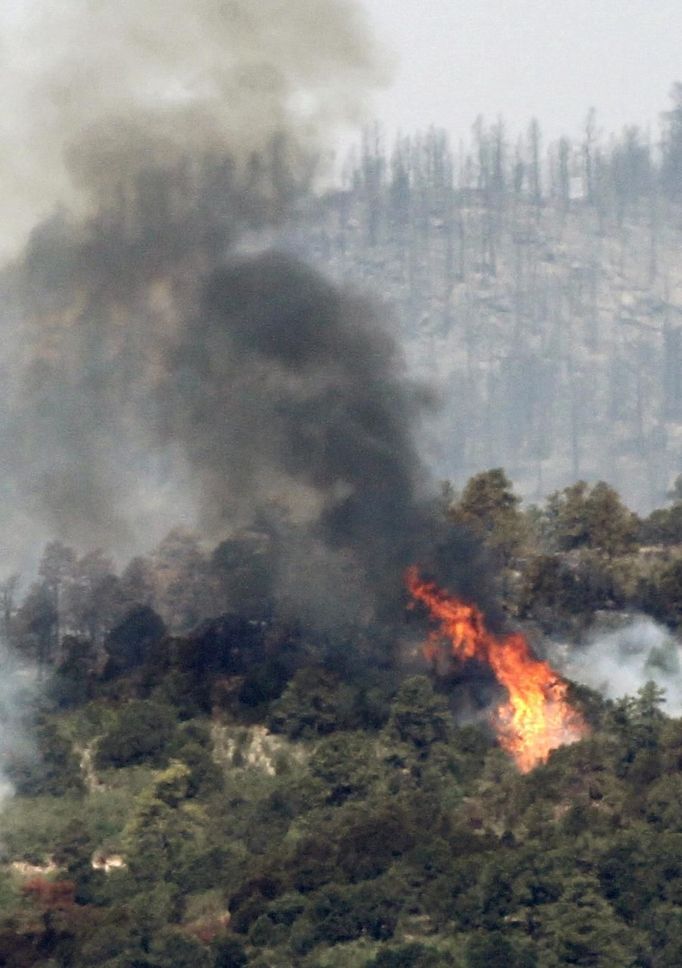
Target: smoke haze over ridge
point(94, 92)
point(617, 662)
point(159, 375)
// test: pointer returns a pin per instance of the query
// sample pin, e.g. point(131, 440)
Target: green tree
point(662, 592)
point(550, 588)
point(129, 643)
point(173, 948)
point(140, 733)
point(346, 764)
point(663, 526)
point(51, 768)
point(8, 591)
point(592, 517)
point(664, 803)
point(74, 678)
point(154, 836)
point(582, 929)
point(229, 953)
point(419, 717)
point(410, 955)
point(612, 527)
point(35, 625)
point(308, 706)
point(92, 600)
point(489, 508)
point(493, 949)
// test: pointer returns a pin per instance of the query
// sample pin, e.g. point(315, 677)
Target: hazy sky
point(552, 59)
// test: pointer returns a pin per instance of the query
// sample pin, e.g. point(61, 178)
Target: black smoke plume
point(281, 383)
point(156, 372)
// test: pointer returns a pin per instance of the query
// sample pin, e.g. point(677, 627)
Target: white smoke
point(17, 693)
point(617, 662)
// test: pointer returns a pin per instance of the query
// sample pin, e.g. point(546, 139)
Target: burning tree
point(537, 718)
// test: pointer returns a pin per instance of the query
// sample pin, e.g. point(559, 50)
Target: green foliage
point(346, 765)
point(73, 681)
point(551, 587)
point(309, 705)
point(371, 837)
point(141, 733)
point(664, 803)
point(419, 717)
point(372, 831)
point(172, 948)
point(49, 767)
point(228, 952)
point(9, 891)
point(156, 834)
point(592, 517)
point(337, 915)
point(493, 949)
point(489, 508)
point(205, 775)
point(663, 526)
point(662, 595)
point(582, 929)
point(413, 955)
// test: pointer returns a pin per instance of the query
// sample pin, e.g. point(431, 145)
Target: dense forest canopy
point(250, 745)
point(198, 778)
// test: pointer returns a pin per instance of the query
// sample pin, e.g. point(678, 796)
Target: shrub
point(142, 732)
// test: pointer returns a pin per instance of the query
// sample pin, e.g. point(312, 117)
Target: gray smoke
point(94, 93)
point(619, 661)
point(157, 374)
point(18, 687)
point(153, 137)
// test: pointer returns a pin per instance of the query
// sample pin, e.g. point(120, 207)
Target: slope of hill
point(547, 318)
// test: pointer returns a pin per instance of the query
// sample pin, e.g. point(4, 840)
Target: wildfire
point(537, 718)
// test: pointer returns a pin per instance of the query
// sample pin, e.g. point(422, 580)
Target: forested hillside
point(201, 780)
point(538, 288)
point(373, 701)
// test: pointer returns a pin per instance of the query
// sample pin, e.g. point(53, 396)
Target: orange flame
point(537, 718)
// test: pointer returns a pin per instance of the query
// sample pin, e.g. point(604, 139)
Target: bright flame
point(537, 718)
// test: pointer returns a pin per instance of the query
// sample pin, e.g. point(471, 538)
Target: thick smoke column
point(157, 374)
point(165, 131)
point(285, 386)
